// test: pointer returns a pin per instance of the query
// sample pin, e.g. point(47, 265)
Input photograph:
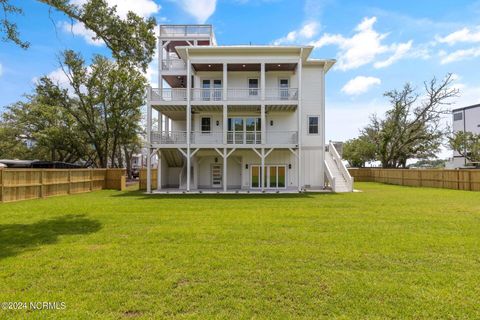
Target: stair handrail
point(330, 176)
point(336, 157)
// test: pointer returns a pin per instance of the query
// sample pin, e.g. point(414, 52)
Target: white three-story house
point(238, 118)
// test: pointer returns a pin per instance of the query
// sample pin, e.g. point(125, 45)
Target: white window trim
point(211, 124)
point(308, 124)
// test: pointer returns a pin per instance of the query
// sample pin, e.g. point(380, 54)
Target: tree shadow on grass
point(18, 238)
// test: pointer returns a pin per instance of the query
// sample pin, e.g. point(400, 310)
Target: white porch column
point(159, 171)
point(262, 80)
point(160, 121)
point(263, 121)
point(225, 81)
point(300, 120)
point(225, 159)
point(149, 136)
point(167, 125)
point(225, 123)
point(262, 173)
point(188, 117)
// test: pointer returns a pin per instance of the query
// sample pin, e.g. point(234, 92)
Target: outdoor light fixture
point(289, 166)
point(279, 65)
point(246, 166)
point(218, 123)
point(209, 65)
point(216, 159)
point(271, 122)
point(243, 66)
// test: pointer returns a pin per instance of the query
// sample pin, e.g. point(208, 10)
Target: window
point(206, 124)
point(313, 125)
point(457, 116)
point(253, 86)
point(284, 84)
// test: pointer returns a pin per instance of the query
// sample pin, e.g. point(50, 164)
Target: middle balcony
point(218, 94)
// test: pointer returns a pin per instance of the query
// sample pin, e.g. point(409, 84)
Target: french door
point(212, 90)
point(244, 130)
point(217, 175)
point(274, 177)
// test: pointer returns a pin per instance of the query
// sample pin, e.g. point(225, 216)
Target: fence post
point(419, 177)
point(458, 179)
point(69, 181)
point(1, 186)
point(91, 179)
point(42, 185)
point(470, 180)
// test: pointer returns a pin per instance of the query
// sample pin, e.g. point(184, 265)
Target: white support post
point(225, 81)
point(225, 159)
point(225, 123)
point(149, 144)
point(188, 115)
point(160, 121)
point(300, 120)
point(262, 173)
point(262, 80)
point(159, 171)
point(263, 123)
point(322, 130)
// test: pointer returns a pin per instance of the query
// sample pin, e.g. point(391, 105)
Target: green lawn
point(388, 252)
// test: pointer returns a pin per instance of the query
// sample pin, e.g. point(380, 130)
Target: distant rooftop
point(187, 31)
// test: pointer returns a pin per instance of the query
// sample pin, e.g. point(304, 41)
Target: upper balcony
point(187, 31)
point(217, 94)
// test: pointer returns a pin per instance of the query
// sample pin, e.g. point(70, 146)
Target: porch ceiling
point(172, 111)
point(284, 108)
point(176, 81)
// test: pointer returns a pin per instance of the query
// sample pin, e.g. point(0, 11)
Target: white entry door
point(217, 175)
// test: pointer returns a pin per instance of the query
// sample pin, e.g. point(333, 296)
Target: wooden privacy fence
point(462, 179)
point(24, 184)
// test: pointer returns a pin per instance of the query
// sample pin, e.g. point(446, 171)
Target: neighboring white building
point(230, 113)
point(465, 119)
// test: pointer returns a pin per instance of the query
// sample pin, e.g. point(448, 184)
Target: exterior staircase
point(338, 176)
point(173, 157)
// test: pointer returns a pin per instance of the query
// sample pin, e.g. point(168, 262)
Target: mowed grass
point(387, 252)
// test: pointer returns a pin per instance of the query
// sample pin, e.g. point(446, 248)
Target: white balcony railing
point(174, 65)
point(244, 137)
point(216, 94)
point(171, 137)
point(281, 94)
point(233, 138)
point(175, 94)
point(242, 94)
point(185, 30)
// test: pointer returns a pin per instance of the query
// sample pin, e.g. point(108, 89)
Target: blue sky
point(379, 45)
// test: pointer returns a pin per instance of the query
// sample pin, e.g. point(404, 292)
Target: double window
point(244, 131)
point(313, 124)
point(457, 116)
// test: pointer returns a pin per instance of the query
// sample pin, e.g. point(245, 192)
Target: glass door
point(217, 90)
point(206, 90)
point(284, 85)
point(216, 176)
point(255, 177)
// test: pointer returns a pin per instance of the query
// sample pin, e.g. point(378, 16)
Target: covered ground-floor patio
point(225, 170)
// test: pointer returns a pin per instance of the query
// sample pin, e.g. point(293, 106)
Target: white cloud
point(143, 8)
point(462, 35)
point(359, 85)
point(458, 55)
point(401, 50)
point(363, 47)
point(306, 32)
point(78, 29)
point(201, 10)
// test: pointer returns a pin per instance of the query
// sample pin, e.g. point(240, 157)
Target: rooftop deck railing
point(186, 30)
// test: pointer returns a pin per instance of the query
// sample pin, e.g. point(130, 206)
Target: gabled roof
point(468, 107)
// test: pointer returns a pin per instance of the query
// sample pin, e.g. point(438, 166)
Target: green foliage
point(389, 252)
point(131, 40)
point(426, 163)
point(412, 128)
point(96, 119)
point(467, 144)
point(50, 132)
point(358, 151)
